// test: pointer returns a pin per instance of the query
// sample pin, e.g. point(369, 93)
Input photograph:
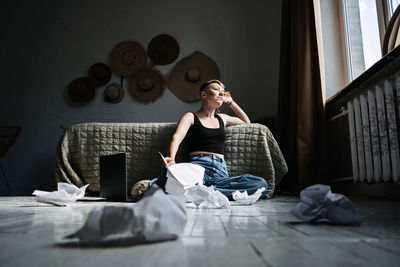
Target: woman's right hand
point(170, 161)
point(227, 98)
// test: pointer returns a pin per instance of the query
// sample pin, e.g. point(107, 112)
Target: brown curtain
point(300, 107)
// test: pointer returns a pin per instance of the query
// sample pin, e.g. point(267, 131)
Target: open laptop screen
point(113, 183)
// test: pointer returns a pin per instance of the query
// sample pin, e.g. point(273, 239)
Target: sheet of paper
point(182, 175)
point(186, 173)
point(163, 158)
point(174, 187)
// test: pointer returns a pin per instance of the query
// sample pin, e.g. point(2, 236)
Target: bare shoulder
point(224, 117)
point(188, 117)
point(230, 120)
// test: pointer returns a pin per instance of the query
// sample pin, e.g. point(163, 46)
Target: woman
point(204, 131)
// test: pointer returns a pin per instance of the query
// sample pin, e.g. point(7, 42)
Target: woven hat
point(128, 58)
point(188, 74)
point(147, 86)
point(163, 49)
point(99, 74)
point(80, 91)
point(114, 93)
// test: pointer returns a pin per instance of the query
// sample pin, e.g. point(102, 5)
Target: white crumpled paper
point(318, 202)
point(203, 195)
point(156, 217)
point(245, 199)
point(65, 195)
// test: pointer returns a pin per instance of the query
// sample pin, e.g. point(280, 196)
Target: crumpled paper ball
point(318, 202)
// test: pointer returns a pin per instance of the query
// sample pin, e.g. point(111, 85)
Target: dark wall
point(46, 44)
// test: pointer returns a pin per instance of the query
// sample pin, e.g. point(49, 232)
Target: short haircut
point(205, 85)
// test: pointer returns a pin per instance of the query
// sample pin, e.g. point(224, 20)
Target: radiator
point(374, 132)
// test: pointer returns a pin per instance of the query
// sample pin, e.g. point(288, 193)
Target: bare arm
point(241, 115)
point(181, 130)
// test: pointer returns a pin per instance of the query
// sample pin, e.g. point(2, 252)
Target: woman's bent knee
point(264, 183)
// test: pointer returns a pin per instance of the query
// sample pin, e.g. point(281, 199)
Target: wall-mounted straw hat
point(80, 91)
point(188, 74)
point(99, 74)
point(147, 86)
point(114, 93)
point(163, 49)
point(128, 58)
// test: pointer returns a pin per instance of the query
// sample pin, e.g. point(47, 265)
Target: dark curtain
point(300, 107)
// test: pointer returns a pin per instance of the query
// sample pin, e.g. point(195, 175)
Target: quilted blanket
point(249, 148)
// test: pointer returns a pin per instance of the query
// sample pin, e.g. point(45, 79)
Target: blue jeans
point(216, 174)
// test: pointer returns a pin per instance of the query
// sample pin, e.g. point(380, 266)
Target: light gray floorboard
point(264, 234)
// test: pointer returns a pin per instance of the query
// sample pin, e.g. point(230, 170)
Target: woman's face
point(214, 93)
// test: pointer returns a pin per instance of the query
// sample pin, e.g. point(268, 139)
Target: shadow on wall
point(270, 122)
point(8, 136)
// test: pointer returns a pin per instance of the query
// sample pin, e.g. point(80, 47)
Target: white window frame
point(346, 41)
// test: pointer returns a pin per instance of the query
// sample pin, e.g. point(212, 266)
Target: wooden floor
point(264, 234)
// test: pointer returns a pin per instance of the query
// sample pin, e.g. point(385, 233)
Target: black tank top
point(200, 138)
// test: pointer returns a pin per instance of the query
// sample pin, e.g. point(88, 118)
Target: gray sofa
point(249, 148)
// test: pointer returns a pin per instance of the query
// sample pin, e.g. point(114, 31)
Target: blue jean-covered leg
point(216, 174)
point(246, 182)
point(161, 180)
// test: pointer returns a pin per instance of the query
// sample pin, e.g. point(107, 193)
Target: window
point(363, 33)
point(352, 32)
point(392, 5)
point(370, 32)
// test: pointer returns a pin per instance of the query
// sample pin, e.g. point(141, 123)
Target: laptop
point(113, 177)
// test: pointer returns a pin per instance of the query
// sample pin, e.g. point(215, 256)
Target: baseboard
point(378, 190)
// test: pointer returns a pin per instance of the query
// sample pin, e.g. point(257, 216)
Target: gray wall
point(46, 44)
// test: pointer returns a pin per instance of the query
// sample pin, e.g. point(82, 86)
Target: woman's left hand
point(227, 98)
